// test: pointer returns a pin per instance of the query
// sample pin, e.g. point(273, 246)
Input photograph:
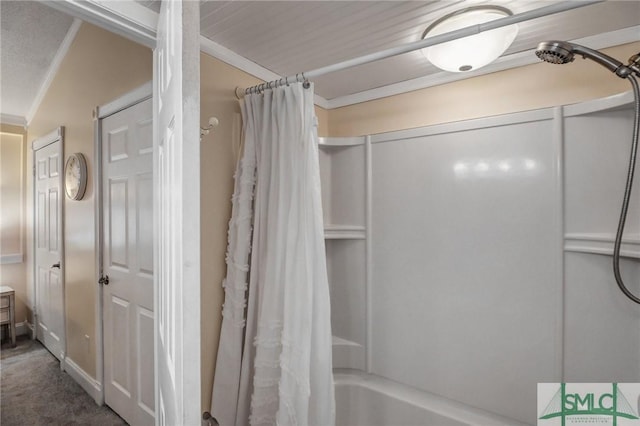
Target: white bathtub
point(369, 400)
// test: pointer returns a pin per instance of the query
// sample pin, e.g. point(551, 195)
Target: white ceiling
point(31, 34)
point(289, 37)
point(278, 38)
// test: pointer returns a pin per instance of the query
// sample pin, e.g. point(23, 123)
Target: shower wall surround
point(602, 327)
point(473, 259)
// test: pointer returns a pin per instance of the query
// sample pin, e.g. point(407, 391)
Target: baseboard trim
point(23, 328)
point(88, 383)
point(31, 329)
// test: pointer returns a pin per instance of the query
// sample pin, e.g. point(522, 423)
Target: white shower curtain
point(277, 369)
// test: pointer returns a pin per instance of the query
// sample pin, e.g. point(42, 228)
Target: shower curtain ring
point(305, 82)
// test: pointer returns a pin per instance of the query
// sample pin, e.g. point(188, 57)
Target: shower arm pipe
point(430, 41)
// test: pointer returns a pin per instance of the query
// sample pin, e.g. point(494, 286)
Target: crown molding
point(321, 102)
point(612, 38)
point(53, 68)
point(13, 120)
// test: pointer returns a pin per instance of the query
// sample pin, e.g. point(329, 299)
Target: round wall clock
point(75, 176)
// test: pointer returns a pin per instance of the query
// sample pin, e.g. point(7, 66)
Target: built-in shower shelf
point(602, 244)
point(344, 232)
point(347, 354)
point(341, 142)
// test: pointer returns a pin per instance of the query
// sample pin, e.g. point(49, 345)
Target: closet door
point(127, 296)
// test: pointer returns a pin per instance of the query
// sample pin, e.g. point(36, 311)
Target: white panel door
point(127, 146)
point(177, 224)
point(49, 277)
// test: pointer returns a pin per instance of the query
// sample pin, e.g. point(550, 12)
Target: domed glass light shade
point(472, 52)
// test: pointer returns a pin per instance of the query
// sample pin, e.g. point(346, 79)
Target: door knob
point(56, 265)
point(104, 280)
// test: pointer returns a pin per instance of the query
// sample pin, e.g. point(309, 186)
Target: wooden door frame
point(128, 100)
point(55, 136)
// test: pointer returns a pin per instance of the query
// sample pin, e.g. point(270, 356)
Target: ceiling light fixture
point(472, 52)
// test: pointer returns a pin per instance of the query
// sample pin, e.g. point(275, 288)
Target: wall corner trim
point(88, 383)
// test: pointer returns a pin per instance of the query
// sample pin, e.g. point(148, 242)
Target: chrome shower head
point(555, 52)
point(562, 52)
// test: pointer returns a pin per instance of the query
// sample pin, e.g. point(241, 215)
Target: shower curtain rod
point(421, 44)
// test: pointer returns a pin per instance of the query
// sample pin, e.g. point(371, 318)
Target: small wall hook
point(213, 122)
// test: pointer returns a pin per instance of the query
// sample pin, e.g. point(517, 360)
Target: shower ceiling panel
point(288, 37)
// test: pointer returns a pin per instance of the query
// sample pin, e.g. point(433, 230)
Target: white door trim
point(140, 94)
point(41, 142)
point(176, 169)
point(125, 18)
point(130, 99)
point(48, 139)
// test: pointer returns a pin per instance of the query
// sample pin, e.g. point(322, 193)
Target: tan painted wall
point(219, 152)
point(323, 121)
point(13, 233)
point(98, 68)
point(519, 89)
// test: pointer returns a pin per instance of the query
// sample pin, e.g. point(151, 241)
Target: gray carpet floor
point(34, 391)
